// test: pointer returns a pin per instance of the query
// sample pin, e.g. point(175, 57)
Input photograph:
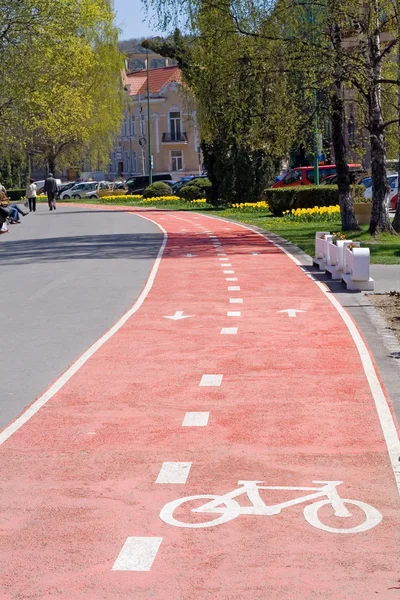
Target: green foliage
point(286, 198)
point(157, 189)
point(60, 73)
point(195, 189)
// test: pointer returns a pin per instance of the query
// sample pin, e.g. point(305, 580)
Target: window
point(133, 163)
point(176, 160)
point(292, 177)
point(141, 125)
point(175, 126)
point(132, 131)
point(323, 173)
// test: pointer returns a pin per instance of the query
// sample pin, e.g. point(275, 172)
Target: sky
point(130, 16)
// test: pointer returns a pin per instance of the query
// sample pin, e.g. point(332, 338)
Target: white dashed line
point(196, 419)
point(229, 331)
point(236, 300)
point(234, 313)
point(174, 472)
point(233, 288)
point(226, 265)
point(228, 272)
point(137, 554)
point(211, 380)
point(231, 278)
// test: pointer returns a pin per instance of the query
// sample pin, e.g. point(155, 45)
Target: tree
point(62, 85)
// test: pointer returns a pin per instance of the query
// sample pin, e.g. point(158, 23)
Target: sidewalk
point(236, 386)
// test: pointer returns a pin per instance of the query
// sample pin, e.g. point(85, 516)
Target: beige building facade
point(174, 137)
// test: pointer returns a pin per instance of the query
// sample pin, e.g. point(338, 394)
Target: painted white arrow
point(290, 311)
point(179, 315)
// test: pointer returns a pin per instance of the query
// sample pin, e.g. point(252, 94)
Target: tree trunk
point(380, 219)
point(396, 220)
point(349, 221)
point(52, 164)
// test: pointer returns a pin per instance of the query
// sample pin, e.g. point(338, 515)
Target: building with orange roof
point(174, 133)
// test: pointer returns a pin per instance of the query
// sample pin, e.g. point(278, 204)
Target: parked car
point(187, 179)
point(393, 183)
point(355, 178)
point(137, 184)
point(107, 188)
point(64, 187)
point(305, 175)
point(78, 190)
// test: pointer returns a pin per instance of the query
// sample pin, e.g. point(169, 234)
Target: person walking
point(31, 191)
point(51, 188)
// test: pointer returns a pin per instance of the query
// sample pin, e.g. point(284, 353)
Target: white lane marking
point(381, 404)
point(255, 253)
point(291, 312)
point(211, 380)
point(234, 313)
point(226, 264)
point(174, 472)
point(74, 368)
point(137, 554)
point(231, 279)
point(236, 300)
point(233, 288)
point(229, 330)
point(189, 255)
point(196, 419)
point(228, 272)
point(179, 315)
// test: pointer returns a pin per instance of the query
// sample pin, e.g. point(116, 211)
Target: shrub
point(159, 188)
point(195, 189)
point(16, 195)
point(283, 199)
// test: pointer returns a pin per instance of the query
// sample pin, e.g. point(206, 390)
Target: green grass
point(385, 249)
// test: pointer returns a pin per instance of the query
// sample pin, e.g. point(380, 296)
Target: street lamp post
point(148, 122)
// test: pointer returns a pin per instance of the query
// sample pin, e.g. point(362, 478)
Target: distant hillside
point(134, 45)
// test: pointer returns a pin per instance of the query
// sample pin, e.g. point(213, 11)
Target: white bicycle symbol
point(229, 508)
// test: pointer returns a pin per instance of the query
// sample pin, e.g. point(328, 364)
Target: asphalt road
point(65, 278)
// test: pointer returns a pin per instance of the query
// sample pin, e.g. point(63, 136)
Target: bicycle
point(230, 509)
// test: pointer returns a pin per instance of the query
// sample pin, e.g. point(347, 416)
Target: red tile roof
point(158, 78)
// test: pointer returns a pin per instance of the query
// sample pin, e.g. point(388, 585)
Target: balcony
point(174, 138)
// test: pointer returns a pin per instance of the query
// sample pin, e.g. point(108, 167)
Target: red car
point(305, 175)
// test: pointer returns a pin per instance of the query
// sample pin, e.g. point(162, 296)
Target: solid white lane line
point(228, 272)
point(383, 410)
point(236, 300)
point(74, 368)
point(174, 472)
point(231, 279)
point(233, 288)
point(229, 330)
point(211, 380)
point(234, 313)
point(137, 554)
point(196, 419)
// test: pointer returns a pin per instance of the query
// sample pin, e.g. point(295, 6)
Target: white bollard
point(357, 261)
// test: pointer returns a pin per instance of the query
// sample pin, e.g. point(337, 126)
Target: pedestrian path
point(228, 439)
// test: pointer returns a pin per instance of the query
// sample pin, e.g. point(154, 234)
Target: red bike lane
point(231, 389)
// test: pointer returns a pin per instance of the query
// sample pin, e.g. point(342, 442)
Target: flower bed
point(318, 213)
point(252, 205)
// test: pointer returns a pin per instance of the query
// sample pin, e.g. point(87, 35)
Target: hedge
point(195, 189)
point(159, 188)
point(16, 195)
point(282, 199)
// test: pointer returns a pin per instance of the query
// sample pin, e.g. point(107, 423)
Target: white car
point(392, 181)
point(79, 190)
